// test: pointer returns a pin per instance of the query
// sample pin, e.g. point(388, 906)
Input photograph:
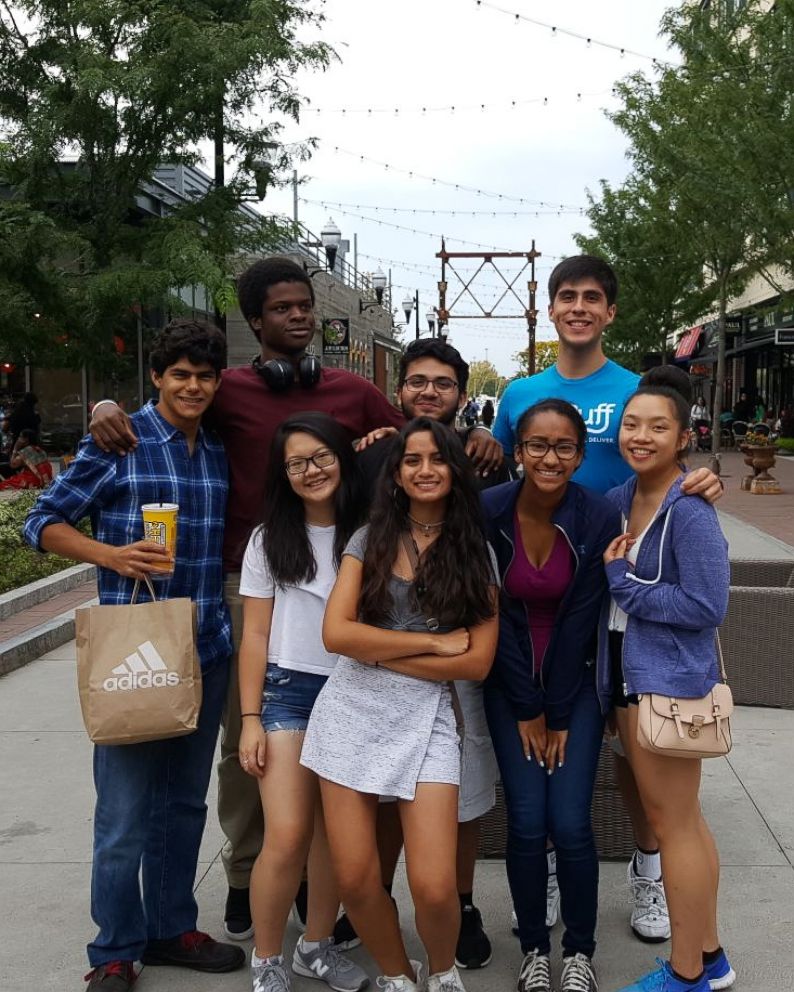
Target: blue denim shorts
point(288, 698)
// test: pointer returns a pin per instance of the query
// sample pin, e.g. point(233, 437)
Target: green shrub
point(785, 444)
point(21, 564)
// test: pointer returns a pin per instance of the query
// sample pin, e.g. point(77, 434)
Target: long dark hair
point(288, 552)
point(455, 574)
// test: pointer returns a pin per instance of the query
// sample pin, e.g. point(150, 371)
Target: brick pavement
point(772, 514)
point(34, 616)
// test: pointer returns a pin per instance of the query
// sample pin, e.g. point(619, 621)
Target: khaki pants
point(239, 806)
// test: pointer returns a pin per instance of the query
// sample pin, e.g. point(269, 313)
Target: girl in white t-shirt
point(290, 565)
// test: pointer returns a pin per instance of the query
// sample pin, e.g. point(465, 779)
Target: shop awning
point(688, 343)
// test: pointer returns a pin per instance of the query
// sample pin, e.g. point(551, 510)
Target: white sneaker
point(650, 921)
point(445, 981)
point(535, 973)
point(552, 900)
point(401, 983)
point(578, 974)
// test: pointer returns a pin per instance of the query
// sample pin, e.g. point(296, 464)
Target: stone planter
point(760, 457)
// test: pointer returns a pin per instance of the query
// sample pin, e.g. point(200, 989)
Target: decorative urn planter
point(760, 457)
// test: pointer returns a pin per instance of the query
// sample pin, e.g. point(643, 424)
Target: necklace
point(426, 529)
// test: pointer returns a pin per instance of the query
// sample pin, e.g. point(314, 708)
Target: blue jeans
point(557, 806)
point(288, 697)
point(149, 819)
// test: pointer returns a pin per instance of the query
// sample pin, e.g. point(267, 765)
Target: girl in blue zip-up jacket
point(544, 700)
point(668, 577)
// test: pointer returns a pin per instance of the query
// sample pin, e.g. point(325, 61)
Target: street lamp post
point(431, 322)
point(330, 238)
point(411, 305)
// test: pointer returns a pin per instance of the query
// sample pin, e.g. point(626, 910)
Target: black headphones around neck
point(279, 374)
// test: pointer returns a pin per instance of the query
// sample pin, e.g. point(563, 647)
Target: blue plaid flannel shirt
point(111, 489)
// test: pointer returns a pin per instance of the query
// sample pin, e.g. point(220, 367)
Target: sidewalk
point(45, 855)
point(46, 824)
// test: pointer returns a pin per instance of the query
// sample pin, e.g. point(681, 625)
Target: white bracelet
point(99, 403)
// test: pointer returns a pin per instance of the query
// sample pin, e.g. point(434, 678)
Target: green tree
point(697, 141)
point(93, 95)
point(545, 356)
point(484, 378)
point(660, 274)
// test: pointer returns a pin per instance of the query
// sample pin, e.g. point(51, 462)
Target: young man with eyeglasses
point(432, 382)
point(582, 294)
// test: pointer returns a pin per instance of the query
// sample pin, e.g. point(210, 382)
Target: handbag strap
point(137, 587)
point(723, 676)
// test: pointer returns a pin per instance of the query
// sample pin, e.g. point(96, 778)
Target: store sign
point(784, 335)
point(336, 336)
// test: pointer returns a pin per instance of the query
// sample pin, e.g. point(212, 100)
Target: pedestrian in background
point(487, 414)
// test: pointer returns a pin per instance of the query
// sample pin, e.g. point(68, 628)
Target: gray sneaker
point(271, 976)
point(327, 964)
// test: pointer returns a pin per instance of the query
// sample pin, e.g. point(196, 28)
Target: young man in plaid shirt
point(150, 809)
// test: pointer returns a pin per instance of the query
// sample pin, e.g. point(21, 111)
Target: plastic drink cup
point(159, 525)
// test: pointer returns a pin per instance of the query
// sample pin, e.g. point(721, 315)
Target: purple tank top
point(541, 589)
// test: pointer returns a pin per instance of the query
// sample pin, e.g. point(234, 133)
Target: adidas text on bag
point(138, 670)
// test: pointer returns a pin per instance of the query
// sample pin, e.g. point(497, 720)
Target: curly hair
point(288, 552)
point(455, 574)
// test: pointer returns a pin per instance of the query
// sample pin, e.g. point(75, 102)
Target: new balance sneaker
point(650, 921)
point(663, 980)
point(115, 976)
point(719, 972)
point(325, 963)
point(578, 974)
point(474, 947)
point(552, 900)
point(194, 950)
point(402, 983)
point(270, 976)
point(445, 981)
point(237, 915)
point(535, 973)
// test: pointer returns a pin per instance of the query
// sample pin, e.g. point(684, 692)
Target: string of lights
point(412, 174)
point(556, 30)
point(457, 108)
point(444, 213)
point(411, 230)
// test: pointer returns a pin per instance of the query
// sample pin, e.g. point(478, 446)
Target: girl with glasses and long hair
point(311, 509)
point(413, 608)
point(545, 700)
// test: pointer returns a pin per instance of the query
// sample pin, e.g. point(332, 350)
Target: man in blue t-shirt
point(582, 294)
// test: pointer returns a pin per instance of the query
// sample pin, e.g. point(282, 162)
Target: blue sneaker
point(663, 980)
point(719, 973)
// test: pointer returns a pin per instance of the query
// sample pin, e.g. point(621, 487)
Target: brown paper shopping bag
point(138, 670)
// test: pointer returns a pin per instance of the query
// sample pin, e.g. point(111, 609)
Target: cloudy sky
point(542, 138)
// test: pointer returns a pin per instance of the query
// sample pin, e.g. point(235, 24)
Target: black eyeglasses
point(535, 447)
point(297, 466)
point(442, 384)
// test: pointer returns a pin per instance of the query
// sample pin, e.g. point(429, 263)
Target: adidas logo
point(143, 669)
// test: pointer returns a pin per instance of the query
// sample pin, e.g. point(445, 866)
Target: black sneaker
point(195, 950)
point(237, 915)
point(474, 947)
point(115, 976)
point(345, 937)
